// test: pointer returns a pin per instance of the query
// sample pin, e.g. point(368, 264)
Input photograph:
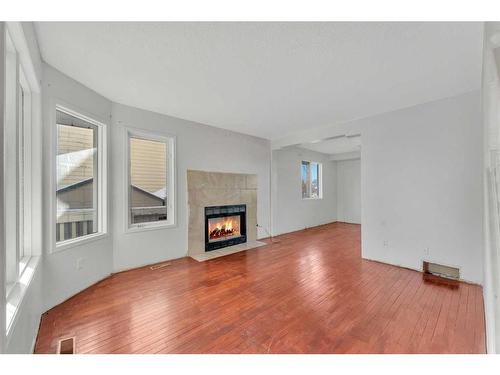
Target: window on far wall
point(150, 193)
point(311, 180)
point(78, 184)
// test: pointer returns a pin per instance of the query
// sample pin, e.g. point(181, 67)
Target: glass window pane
point(11, 162)
point(311, 179)
point(305, 179)
point(314, 180)
point(76, 177)
point(148, 180)
point(21, 172)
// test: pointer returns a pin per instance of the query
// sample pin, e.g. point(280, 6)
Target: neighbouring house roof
point(75, 185)
point(154, 195)
point(160, 194)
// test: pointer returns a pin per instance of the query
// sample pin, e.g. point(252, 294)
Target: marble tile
point(239, 181)
point(252, 181)
point(197, 179)
point(249, 197)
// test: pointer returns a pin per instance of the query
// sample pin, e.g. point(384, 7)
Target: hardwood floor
point(309, 292)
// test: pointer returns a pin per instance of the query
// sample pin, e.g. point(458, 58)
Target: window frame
point(24, 166)
point(26, 80)
point(11, 118)
point(320, 180)
point(171, 175)
point(101, 191)
point(22, 112)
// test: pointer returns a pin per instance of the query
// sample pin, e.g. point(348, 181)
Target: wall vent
point(66, 346)
point(441, 273)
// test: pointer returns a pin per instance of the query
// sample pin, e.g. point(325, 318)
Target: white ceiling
point(337, 145)
point(267, 79)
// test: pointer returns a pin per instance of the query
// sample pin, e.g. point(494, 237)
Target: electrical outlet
point(80, 263)
point(386, 243)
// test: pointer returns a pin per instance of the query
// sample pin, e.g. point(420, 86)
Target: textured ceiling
point(267, 79)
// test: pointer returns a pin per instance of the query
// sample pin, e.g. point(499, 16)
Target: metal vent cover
point(66, 346)
point(442, 270)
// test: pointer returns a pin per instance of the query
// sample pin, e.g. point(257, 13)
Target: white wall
point(349, 191)
point(62, 279)
point(199, 147)
point(422, 185)
point(290, 211)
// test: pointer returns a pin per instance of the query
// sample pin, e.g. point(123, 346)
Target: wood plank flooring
point(308, 292)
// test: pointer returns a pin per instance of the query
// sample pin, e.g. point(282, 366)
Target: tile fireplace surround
point(207, 189)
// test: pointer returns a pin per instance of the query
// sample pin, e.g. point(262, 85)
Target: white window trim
point(27, 78)
point(320, 177)
point(171, 174)
point(12, 105)
point(27, 173)
point(102, 174)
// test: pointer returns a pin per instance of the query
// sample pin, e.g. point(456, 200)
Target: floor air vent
point(441, 274)
point(66, 346)
point(159, 266)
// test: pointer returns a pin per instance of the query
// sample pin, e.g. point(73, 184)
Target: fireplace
point(225, 226)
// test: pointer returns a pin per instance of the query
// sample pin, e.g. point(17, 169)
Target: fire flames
point(224, 228)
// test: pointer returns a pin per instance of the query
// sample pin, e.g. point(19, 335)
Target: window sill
point(8, 289)
point(18, 291)
point(312, 199)
point(68, 244)
point(148, 227)
point(23, 263)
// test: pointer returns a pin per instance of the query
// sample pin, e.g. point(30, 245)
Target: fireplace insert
point(225, 226)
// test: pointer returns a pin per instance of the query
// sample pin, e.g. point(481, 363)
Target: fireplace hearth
point(225, 226)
